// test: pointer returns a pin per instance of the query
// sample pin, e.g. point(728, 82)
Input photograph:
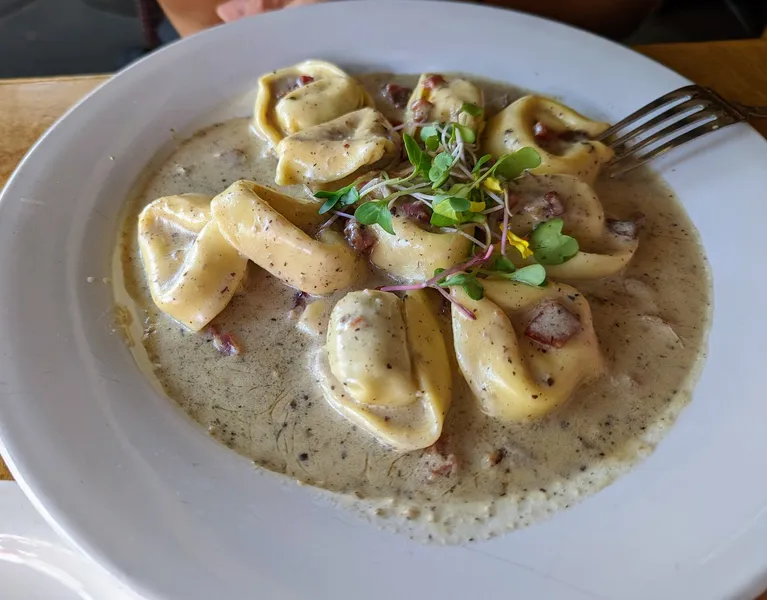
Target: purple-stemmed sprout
point(433, 282)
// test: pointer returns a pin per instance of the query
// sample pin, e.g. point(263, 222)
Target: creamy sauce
point(265, 403)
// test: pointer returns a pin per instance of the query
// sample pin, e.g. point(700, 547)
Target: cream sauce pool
point(265, 403)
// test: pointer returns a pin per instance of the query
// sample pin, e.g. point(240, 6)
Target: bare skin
point(613, 18)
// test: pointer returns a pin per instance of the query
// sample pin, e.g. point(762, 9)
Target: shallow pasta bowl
point(117, 469)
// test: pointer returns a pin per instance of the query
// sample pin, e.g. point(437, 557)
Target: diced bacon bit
point(543, 133)
point(439, 461)
point(440, 446)
point(553, 325)
point(434, 81)
point(224, 342)
point(554, 204)
point(545, 207)
point(446, 468)
point(495, 457)
point(397, 94)
point(305, 80)
point(548, 137)
point(359, 237)
point(415, 211)
point(628, 229)
point(300, 299)
point(421, 110)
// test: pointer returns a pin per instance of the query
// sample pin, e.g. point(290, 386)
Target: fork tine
point(701, 116)
point(700, 130)
point(674, 111)
point(686, 93)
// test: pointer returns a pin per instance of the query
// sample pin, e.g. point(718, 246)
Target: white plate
point(156, 501)
point(35, 563)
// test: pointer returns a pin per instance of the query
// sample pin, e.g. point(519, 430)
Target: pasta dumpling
point(191, 270)
point(414, 253)
point(265, 226)
point(528, 349)
point(561, 136)
point(440, 99)
point(385, 367)
point(606, 245)
point(302, 96)
point(354, 143)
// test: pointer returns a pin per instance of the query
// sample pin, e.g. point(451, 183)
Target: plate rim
point(11, 455)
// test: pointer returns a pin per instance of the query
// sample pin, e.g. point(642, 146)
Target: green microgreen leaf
point(442, 221)
point(460, 190)
point(469, 283)
point(472, 109)
point(511, 166)
point(503, 265)
point(375, 213)
point(417, 157)
point(428, 131)
point(344, 196)
point(467, 133)
point(550, 246)
point(459, 204)
point(449, 207)
point(432, 143)
point(440, 169)
point(481, 162)
point(534, 275)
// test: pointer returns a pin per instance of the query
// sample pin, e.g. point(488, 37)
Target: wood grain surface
point(737, 70)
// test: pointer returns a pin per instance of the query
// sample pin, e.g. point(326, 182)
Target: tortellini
point(302, 96)
point(385, 367)
point(528, 349)
point(191, 270)
point(560, 135)
point(440, 99)
point(352, 144)
point(248, 217)
point(413, 253)
point(602, 251)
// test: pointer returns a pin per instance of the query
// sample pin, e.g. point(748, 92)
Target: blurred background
point(66, 37)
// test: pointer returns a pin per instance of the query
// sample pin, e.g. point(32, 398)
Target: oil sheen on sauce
point(265, 403)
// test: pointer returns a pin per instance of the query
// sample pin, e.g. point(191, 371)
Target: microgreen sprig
point(346, 196)
point(465, 275)
point(442, 277)
point(445, 175)
point(375, 213)
point(550, 246)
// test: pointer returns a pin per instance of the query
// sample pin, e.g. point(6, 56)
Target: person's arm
point(191, 16)
point(613, 18)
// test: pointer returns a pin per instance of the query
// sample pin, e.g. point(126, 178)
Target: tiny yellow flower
point(520, 244)
point(492, 184)
point(476, 207)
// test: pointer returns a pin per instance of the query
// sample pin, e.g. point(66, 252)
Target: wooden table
point(737, 70)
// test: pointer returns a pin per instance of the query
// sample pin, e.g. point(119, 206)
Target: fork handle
point(752, 111)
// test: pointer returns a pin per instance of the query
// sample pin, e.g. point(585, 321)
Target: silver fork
point(692, 111)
